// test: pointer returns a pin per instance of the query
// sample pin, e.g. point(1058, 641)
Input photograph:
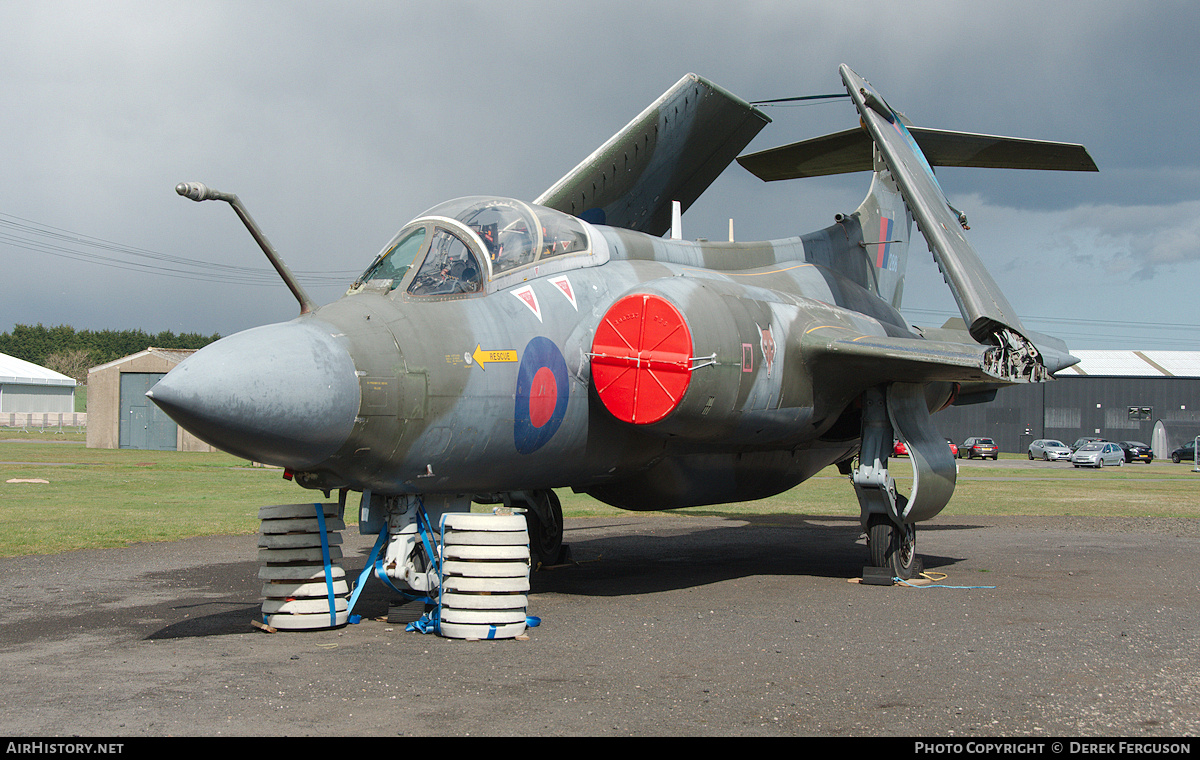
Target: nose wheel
point(893, 546)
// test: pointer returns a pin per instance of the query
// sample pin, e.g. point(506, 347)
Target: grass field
point(105, 498)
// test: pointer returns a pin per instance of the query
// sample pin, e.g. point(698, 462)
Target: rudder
point(886, 224)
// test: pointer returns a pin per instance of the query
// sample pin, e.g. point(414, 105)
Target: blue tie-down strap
point(430, 622)
point(425, 530)
point(901, 582)
point(366, 571)
point(375, 562)
point(328, 564)
point(530, 622)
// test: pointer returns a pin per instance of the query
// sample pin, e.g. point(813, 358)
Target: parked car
point(900, 448)
point(1185, 453)
point(1048, 449)
point(1079, 442)
point(1097, 454)
point(979, 447)
point(1136, 451)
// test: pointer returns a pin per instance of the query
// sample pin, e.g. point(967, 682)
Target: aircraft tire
point(305, 586)
point(879, 536)
point(473, 521)
point(485, 585)
point(893, 547)
point(486, 617)
point(309, 554)
point(502, 551)
point(298, 572)
point(469, 569)
point(284, 511)
point(545, 540)
point(296, 540)
point(483, 581)
point(314, 606)
point(484, 601)
point(486, 538)
point(301, 525)
point(306, 622)
point(468, 631)
point(281, 590)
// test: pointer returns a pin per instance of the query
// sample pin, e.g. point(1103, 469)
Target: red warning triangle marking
point(526, 296)
point(564, 286)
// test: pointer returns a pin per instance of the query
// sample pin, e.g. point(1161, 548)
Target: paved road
point(667, 626)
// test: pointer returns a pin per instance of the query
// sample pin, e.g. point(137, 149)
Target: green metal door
point(144, 425)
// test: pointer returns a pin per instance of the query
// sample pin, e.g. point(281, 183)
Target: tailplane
point(905, 190)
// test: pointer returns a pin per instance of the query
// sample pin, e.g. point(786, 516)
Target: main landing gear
point(893, 546)
point(545, 521)
point(889, 518)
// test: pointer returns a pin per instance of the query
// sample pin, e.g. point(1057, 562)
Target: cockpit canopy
point(460, 246)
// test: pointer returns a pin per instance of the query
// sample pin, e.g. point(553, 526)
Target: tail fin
point(902, 159)
point(886, 224)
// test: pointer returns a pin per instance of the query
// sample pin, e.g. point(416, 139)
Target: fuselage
point(486, 385)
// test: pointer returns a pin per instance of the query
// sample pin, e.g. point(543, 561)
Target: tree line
point(73, 352)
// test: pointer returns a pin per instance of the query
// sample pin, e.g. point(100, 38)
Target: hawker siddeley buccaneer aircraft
point(497, 349)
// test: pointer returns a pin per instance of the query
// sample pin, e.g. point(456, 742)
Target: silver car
point(1048, 449)
point(1098, 454)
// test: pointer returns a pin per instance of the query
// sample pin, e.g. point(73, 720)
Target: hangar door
point(144, 425)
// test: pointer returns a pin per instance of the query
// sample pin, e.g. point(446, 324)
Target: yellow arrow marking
point(482, 357)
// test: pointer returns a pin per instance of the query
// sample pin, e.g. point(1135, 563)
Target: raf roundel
point(542, 395)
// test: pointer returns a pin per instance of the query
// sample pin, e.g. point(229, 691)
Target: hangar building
point(120, 415)
point(28, 387)
point(1148, 396)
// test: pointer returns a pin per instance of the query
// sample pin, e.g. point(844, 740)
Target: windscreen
point(396, 259)
point(514, 233)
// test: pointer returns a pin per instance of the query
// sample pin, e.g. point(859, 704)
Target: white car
point(1048, 449)
point(1098, 454)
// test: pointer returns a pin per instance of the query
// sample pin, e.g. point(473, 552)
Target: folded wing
point(672, 151)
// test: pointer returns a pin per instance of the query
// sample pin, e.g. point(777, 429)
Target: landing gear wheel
point(545, 528)
point(893, 546)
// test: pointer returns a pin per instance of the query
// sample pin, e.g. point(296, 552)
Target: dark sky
point(336, 122)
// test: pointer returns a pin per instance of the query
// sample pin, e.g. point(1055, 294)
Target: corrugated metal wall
point(1074, 407)
point(15, 397)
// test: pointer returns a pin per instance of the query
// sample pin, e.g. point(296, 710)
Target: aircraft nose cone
point(283, 394)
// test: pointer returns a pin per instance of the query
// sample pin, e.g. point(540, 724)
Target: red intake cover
point(641, 358)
